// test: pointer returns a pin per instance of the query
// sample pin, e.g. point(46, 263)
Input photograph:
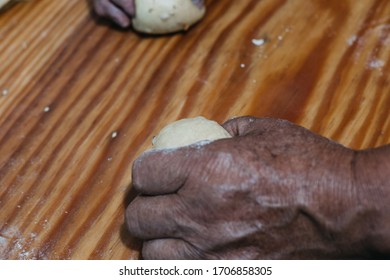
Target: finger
point(169, 249)
point(162, 171)
point(127, 5)
point(198, 3)
point(107, 9)
point(154, 217)
point(247, 125)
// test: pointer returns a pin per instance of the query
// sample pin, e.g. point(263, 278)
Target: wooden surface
point(79, 100)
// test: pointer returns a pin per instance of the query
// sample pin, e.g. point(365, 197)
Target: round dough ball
point(168, 16)
point(5, 3)
point(188, 131)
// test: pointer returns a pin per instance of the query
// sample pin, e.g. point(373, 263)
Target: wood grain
point(80, 100)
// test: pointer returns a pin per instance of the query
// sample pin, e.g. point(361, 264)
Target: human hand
point(273, 191)
point(119, 11)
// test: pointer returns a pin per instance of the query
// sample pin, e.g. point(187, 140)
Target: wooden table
point(80, 100)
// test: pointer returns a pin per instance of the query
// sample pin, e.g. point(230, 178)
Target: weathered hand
point(273, 191)
point(119, 11)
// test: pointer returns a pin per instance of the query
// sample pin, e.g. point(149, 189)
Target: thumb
point(158, 172)
point(248, 125)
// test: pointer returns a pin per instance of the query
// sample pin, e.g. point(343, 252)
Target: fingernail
point(123, 22)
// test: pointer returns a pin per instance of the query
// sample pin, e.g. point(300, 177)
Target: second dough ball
point(188, 131)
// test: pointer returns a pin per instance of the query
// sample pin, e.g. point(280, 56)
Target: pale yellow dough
point(189, 131)
point(4, 2)
point(167, 16)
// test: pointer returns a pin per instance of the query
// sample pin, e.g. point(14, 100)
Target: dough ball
point(167, 16)
point(188, 131)
point(3, 3)
point(6, 3)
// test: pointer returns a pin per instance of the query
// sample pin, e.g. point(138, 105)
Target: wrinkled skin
point(119, 11)
point(273, 191)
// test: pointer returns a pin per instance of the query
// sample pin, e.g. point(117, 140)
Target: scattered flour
point(3, 244)
point(351, 40)
point(13, 243)
point(376, 63)
point(258, 42)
